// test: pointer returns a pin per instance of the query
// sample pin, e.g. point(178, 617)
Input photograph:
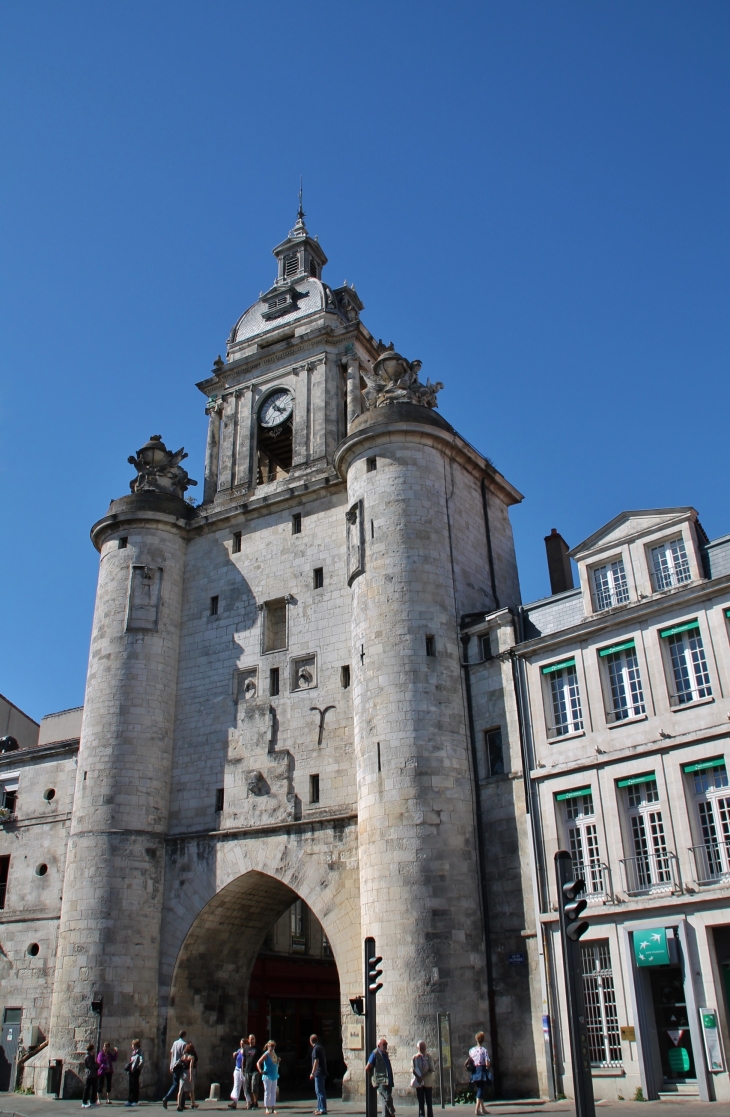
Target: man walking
point(177, 1067)
point(319, 1075)
point(239, 1056)
point(379, 1064)
point(251, 1076)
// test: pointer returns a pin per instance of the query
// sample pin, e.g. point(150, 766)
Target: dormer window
point(609, 585)
point(291, 264)
point(670, 566)
point(279, 300)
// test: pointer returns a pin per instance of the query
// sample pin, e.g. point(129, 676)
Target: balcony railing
point(651, 873)
point(668, 579)
point(712, 862)
point(597, 878)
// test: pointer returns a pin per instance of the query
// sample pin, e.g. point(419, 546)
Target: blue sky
point(532, 199)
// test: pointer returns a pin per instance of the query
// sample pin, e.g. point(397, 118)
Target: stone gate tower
point(276, 704)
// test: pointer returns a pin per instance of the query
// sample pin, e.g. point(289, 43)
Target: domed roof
point(309, 295)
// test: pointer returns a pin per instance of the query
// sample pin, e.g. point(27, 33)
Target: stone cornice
point(115, 520)
point(23, 757)
point(623, 616)
point(271, 828)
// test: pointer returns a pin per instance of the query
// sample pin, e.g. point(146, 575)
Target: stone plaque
point(145, 589)
point(355, 1037)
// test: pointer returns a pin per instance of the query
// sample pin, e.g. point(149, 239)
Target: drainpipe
point(481, 851)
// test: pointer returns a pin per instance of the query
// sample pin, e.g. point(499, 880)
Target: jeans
point(251, 1087)
point(91, 1087)
point(425, 1101)
point(134, 1087)
point(319, 1089)
point(386, 1096)
point(172, 1092)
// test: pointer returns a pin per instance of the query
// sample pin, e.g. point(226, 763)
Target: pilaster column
point(213, 410)
point(354, 399)
point(242, 471)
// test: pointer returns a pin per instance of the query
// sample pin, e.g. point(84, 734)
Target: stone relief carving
point(144, 599)
point(159, 470)
point(304, 672)
point(247, 684)
point(393, 379)
point(355, 542)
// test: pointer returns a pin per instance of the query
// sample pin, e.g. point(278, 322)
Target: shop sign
point(516, 959)
point(355, 1037)
point(651, 947)
point(710, 1034)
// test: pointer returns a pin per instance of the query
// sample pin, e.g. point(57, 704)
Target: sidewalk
point(22, 1105)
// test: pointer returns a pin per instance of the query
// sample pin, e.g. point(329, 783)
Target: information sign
point(711, 1036)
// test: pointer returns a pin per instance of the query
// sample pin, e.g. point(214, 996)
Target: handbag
point(469, 1064)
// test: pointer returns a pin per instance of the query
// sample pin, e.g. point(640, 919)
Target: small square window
point(274, 681)
point(495, 754)
point(486, 646)
point(372, 464)
point(318, 577)
point(430, 645)
point(214, 606)
point(122, 543)
point(345, 676)
point(219, 797)
point(314, 789)
point(236, 543)
point(296, 524)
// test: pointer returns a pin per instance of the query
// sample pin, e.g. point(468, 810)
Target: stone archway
point(211, 938)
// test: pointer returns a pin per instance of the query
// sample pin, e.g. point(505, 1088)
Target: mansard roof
point(630, 525)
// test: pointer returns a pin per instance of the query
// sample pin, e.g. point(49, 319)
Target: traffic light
point(373, 974)
point(357, 1005)
point(573, 908)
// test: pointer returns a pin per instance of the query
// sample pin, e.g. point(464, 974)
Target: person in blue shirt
point(319, 1075)
point(239, 1056)
point(379, 1065)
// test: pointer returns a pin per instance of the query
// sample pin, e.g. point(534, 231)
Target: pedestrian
point(424, 1073)
point(177, 1068)
point(251, 1076)
point(187, 1060)
point(268, 1068)
point(91, 1085)
point(134, 1070)
point(193, 1073)
point(238, 1074)
point(319, 1074)
point(478, 1064)
point(379, 1065)
point(105, 1061)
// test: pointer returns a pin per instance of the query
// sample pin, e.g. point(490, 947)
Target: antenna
point(300, 213)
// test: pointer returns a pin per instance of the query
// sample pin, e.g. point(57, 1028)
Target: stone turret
point(109, 936)
point(413, 486)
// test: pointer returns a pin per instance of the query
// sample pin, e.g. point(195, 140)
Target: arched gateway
point(210, 945)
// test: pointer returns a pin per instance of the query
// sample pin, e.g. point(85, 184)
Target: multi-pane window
point(599, 993)
point(565, 714)
point(670, 566)
point(712, 796)
point(689, 679)
point(582, 835)
point(609, 585)
point(650, 869)
point(624, 693)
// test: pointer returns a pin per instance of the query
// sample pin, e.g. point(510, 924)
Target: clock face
point(276, 409)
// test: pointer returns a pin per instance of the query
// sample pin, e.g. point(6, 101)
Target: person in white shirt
point(177, 1068)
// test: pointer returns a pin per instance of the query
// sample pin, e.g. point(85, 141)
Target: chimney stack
point(559, 568)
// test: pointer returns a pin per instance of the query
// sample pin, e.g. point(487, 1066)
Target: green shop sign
point(650, 947)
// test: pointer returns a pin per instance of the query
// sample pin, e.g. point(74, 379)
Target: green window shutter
point(679, 628)
point(573, 794)
point(637, 779)
point(719, 762)
point(618, 648)
point(559, 666)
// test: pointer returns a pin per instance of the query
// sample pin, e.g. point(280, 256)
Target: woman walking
point(134, 1070)
point(268, 1066)
point(92, 1080)
point(192, 1073)
point(105, 1061)
point(480, 1062)
point(424, 1072)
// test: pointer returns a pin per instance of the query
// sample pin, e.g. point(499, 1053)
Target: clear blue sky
point(531, 197)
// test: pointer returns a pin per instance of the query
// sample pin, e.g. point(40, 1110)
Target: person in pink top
point(105, 1061)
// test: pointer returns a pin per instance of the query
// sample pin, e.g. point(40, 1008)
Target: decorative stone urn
point(395, 380)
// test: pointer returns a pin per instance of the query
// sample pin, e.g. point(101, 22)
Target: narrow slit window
point(486, 646)
point(379, 765)
point(219, 799)
point(236, 545)
point(345, 676)
point(273, 682)
point(296, 524)
point(314, 789)
point(430, 645)
point(214, 606)
point(372, 464)
point(318, 577)
point(495, 752)
point(4, 871)
point(372, 529)
point(122, 542)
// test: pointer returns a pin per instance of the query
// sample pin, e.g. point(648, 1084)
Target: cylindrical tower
point(419, 876)
point(109, 936)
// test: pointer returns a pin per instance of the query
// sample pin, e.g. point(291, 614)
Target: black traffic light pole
point(571, 929)
point(372, 985)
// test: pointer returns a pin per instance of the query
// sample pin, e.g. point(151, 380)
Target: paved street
point(19, 1105)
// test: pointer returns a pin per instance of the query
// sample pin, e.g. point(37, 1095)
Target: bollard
point(215, 1091)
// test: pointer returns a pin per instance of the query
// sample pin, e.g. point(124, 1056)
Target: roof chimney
point(559, 568)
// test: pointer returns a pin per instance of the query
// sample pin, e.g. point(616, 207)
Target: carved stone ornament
point(395, 380)
point(159, 470)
